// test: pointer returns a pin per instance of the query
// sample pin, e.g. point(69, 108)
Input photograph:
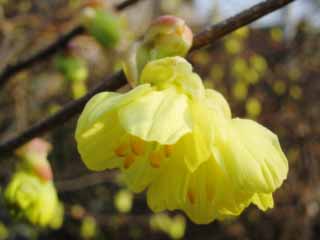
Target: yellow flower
point(35, 200)
point(178, 140)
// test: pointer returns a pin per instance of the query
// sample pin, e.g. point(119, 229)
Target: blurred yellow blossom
point(279, 87)
point(34, 199)
point(233, 45)
point(123, 201)
point(88, 228)
point(295, 92)
point(276, 34)
point(242, 33)
point(240, 90)
point(253, 107)
point(175, 226)
point(31, 193)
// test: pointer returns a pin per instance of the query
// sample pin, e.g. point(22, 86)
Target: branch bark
point(117, 80)
point(54, 47)
point(245, 17)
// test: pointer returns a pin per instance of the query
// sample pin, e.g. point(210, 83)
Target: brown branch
point(85, 181)
point(117, 80)
point(54, 47)
point(245, 17)
point(125, 4)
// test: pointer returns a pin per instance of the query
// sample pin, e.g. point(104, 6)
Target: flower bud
point(103, 25)
point(170, 36)
point(167, 36)
point(34, 158)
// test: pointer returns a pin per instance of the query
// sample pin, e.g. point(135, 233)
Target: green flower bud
point(170, 36)
point(167, 36)
point(34, 200)
point(103, 25)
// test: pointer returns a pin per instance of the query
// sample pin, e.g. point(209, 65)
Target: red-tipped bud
point(43, 171)
point(34, 155)
point(167, 36)
point(174, 26)
point(170, 35)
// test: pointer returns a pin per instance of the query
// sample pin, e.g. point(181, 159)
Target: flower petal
point(263, 201)
point(99, 131)
point(252, 156)
point(160, 116)
point(141, 172)
point(196, 145)
point(173, 71)
point(168, 190)
point(211, 195)
point(217, 102)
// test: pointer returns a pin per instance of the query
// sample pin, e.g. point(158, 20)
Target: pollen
point(128, 161)
point(137, 146)
point(155, 158)
point(168, 149)
point(191, 197)
point(122, 150)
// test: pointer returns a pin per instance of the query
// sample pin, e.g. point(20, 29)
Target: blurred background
point(268, 71)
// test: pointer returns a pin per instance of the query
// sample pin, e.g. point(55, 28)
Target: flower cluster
point(31, 194)
point(177, 140)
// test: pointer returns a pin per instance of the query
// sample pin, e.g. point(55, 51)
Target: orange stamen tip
point(121, 150)
point(137, 146)
point(168, 149)
point(156, 158)
point(128, 161)
point(209, 194)
point(191, 197)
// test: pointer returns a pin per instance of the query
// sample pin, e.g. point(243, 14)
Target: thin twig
point(245, 17)
point(54, 47)
point(125, 4)
point(81, 182)
point(117, 80)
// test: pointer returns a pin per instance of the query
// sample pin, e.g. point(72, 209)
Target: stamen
point(128, 161)
point(209, 193)
point(168, 149)
point(155, 158)
point(191, 197)
point(137, 146)
point(122, 150)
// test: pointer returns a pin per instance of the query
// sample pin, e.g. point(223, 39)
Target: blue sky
point(298, 10)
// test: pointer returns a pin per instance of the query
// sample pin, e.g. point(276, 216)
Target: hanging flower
point(31, 194)
point(176, 139)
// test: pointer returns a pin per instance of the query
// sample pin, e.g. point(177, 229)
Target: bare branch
point(245, 17)
point(85, 181)
point(117, 80)
point(54, 47)
point(125, 4)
